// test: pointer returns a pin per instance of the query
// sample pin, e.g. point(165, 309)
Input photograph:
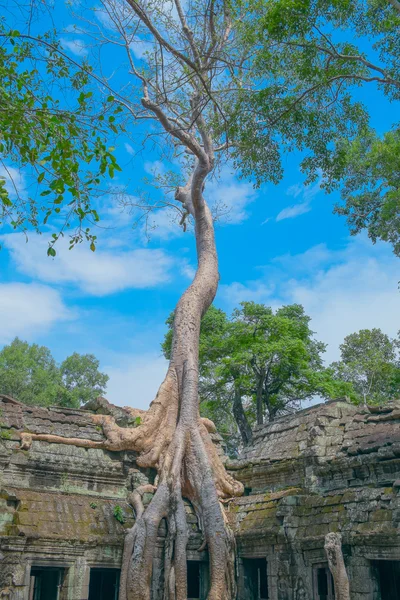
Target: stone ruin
point(333, 467)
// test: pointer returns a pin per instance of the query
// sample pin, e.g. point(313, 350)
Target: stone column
point(76, 585)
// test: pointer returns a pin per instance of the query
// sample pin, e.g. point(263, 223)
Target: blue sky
point(280, 244)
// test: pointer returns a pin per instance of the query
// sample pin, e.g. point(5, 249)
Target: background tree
point(81, 379)
point(258, 363)
point(370, 361)
point(310, 59)
point(30, 374)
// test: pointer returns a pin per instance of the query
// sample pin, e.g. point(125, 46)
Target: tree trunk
point(259, 400)
point(333, 549)
point(241, 419)
point(173, 439)
point(186, 460)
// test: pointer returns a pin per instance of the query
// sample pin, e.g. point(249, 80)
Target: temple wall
point(331, 468)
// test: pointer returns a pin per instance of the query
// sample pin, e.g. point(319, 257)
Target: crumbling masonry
point(331, 468)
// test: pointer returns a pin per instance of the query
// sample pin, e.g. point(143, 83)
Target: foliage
point(82, 379)
point(370, 361)
point(57, 131)
point(119, 514)
point(309, 61)
point(270, 357)
point(30, 374)
point(371, 186)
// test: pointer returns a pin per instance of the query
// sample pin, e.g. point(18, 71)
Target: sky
point(279, 244)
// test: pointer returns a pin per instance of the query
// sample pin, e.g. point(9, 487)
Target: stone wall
point(59, 503)
point(333, 467)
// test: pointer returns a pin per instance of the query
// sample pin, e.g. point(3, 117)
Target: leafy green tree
point(277, 357)
point(81, 379)
point(371, 186)
point(30, 374)
point(258, 363)
point(309, 61)
point(370, 361)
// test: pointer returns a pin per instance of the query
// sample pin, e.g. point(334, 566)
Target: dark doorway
point(255, 578)
point(104, 584)
point(193, 579)
point(46, 583)
point(388, 579)
point(323, 583)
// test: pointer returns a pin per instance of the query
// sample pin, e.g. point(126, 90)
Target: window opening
point(388, 578)
point(323, 583)
point(193, 579)
point(46, 583)
point(104, 584)
point(255, 577)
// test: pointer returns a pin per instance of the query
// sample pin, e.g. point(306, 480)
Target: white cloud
point(343, 291)
point(253, 291)
point(130, 150)
point(98, 273)
point(163, 224)
point(140, 48)
point(136, 379)
point(187, 270)
point(155, 167)
point(307, 192)
point(75, 46)
point(358, 292)
point(29, 309)
point(294, 211)
point(230, 197)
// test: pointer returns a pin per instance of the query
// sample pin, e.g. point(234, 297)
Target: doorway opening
point(323, 583)
point(104, 584)
point(255, 578)
point(46, 583)
point(388, 576)
point(193, 579)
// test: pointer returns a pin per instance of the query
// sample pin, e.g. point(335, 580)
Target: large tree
point(258, 364)
point(185, 87)
point(182, 91)
point(29, 373)
point(370, 361)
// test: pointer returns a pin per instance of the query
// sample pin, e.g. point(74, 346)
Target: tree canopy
point(258, 363)
point(370, 362)
point(29, 373)
point(309, 61)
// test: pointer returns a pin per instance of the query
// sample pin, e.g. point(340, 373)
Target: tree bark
point(241, 419)
point(259, 400)
point(173, 439)
point(333, 550)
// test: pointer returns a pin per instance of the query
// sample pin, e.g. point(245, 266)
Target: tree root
point(188, 466)
point(333, 550)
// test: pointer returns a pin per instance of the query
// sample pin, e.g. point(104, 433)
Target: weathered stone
point(330, 468)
